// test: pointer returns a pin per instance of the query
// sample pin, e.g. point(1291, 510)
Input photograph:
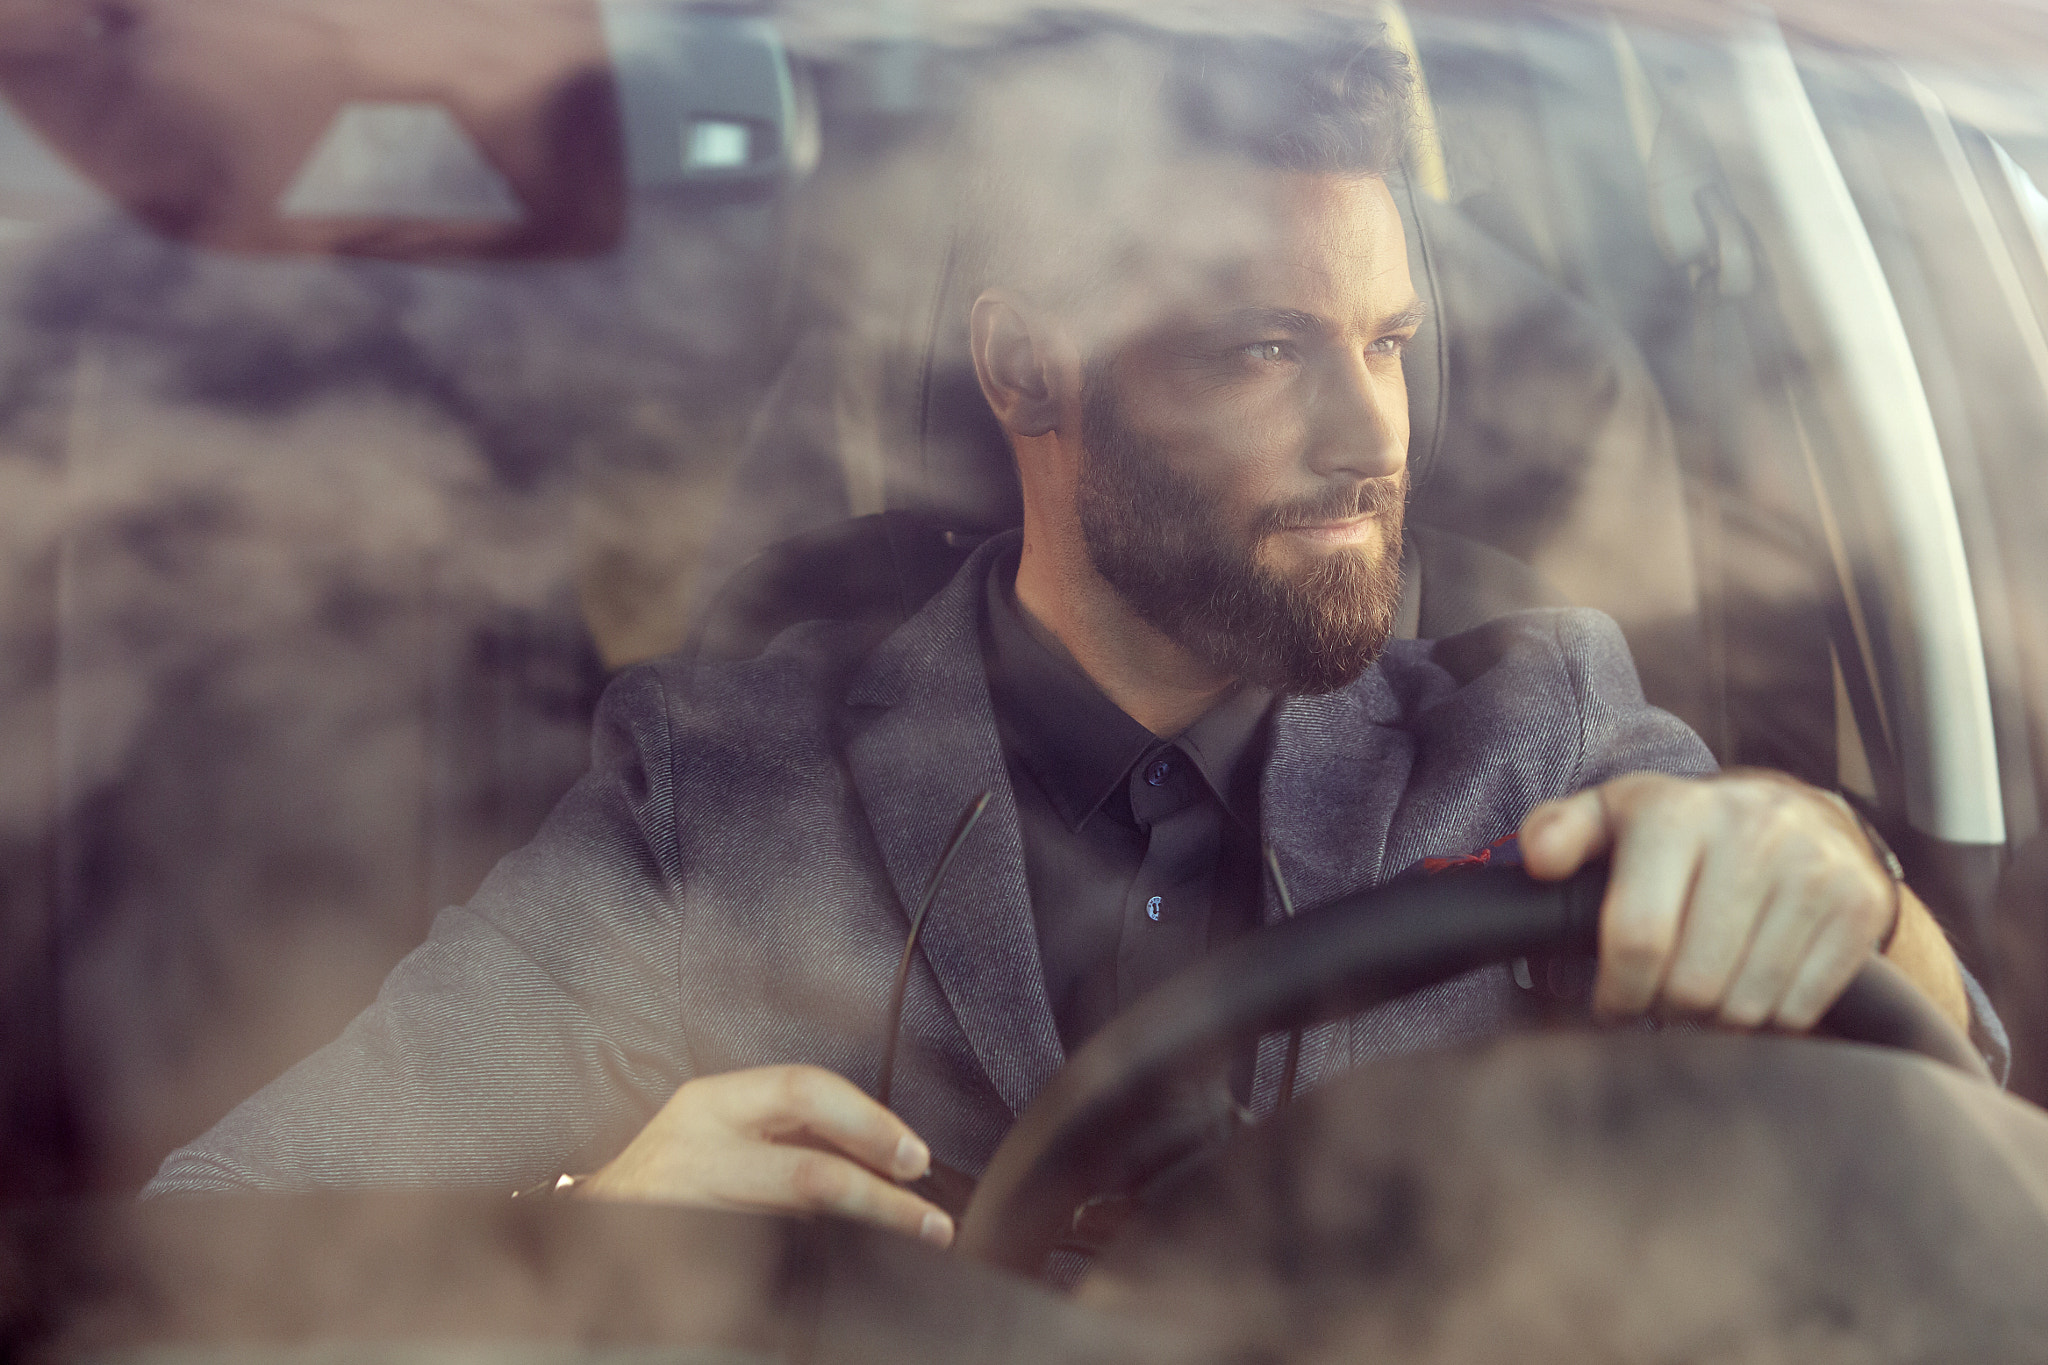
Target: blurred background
point(377, 377)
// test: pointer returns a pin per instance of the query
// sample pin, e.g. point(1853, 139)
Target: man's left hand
point(1749, 898)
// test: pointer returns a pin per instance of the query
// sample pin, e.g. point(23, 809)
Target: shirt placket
point(1166, 911)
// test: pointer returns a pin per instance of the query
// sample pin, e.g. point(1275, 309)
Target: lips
point(1348, 531)
point(1326, 527)
point(1342, 508)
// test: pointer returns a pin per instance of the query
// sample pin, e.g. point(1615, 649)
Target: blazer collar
point(932, 749)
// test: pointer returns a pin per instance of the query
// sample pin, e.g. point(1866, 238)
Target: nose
point(1358, 423)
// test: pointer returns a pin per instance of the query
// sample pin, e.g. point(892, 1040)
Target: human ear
point(1013, 359)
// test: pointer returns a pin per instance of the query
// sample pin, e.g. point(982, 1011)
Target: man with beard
point(1181, 660)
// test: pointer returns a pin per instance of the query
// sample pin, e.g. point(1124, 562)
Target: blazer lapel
point(1339, 766)
point(925, 747)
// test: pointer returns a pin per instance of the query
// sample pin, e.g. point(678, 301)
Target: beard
point(1156, 536)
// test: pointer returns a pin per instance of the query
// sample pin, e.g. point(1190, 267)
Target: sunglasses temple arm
point(968, 819)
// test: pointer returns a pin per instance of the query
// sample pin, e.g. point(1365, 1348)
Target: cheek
point(1237, 438)
point(1239, 445)
point(1240, 473)
point(1393, 401)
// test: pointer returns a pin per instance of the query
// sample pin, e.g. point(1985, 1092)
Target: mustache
point(1381, 497)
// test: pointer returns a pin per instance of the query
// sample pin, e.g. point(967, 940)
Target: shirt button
point(1152, 909)
point(1160, 770)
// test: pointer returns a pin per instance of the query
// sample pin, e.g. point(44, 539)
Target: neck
point(1154, 680)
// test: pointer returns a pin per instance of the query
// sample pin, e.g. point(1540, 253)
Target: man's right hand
point(791, 1139)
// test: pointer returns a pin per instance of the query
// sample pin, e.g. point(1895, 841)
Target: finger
point(1832, 960)
point(1560, 837)
point(803, 1179)
point(1787, 929)
point(1723, 910)
point(1656, 858)
point(823, 1106)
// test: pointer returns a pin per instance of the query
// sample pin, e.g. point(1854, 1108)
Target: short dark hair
point(1058, 115)
point(1329, 107)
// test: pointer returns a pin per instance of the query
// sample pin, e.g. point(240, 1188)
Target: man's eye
point(1270, 352)
point(1393, 345)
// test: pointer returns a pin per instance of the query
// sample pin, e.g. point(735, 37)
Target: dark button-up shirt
point(1142, 853)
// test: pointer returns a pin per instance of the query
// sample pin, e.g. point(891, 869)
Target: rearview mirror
point(384, 128)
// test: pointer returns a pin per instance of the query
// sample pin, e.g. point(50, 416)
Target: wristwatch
point(556, 1188)
point(1887, 860)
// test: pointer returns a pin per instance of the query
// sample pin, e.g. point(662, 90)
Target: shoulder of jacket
point(805, 666)
point(1579, 640)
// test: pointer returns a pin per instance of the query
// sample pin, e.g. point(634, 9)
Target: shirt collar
point(1226, 743)
point(1078, 743)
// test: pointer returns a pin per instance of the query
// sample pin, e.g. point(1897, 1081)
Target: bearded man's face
point(1244, 458)
point(1196, 575)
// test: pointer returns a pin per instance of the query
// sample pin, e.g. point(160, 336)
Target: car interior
point(359, 500)
point(1613, 407)
point(379, 380)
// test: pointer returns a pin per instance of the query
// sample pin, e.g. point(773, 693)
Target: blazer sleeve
point(1621, 733)
point(1619, 730)
point(534, 1030)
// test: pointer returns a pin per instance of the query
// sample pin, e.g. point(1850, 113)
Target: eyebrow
point(1297, 323)
point(1414, 314)
point(1289, 321)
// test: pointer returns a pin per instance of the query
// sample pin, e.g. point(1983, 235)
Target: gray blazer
point(727, 887)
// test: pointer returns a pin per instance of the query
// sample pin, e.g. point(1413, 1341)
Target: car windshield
point(382, 379)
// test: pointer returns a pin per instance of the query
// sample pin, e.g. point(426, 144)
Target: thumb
point(1560, 837)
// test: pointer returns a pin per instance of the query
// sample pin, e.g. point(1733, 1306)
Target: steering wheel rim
point(1342, 958)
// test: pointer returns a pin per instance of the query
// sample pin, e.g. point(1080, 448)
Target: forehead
point(1232, 236)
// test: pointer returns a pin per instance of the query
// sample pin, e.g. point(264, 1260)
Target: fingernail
point(913, 1158)
point(937, 1229)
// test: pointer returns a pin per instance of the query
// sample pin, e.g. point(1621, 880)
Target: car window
point(381, 382)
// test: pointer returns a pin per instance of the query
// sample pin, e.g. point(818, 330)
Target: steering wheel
point(1347, 956)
